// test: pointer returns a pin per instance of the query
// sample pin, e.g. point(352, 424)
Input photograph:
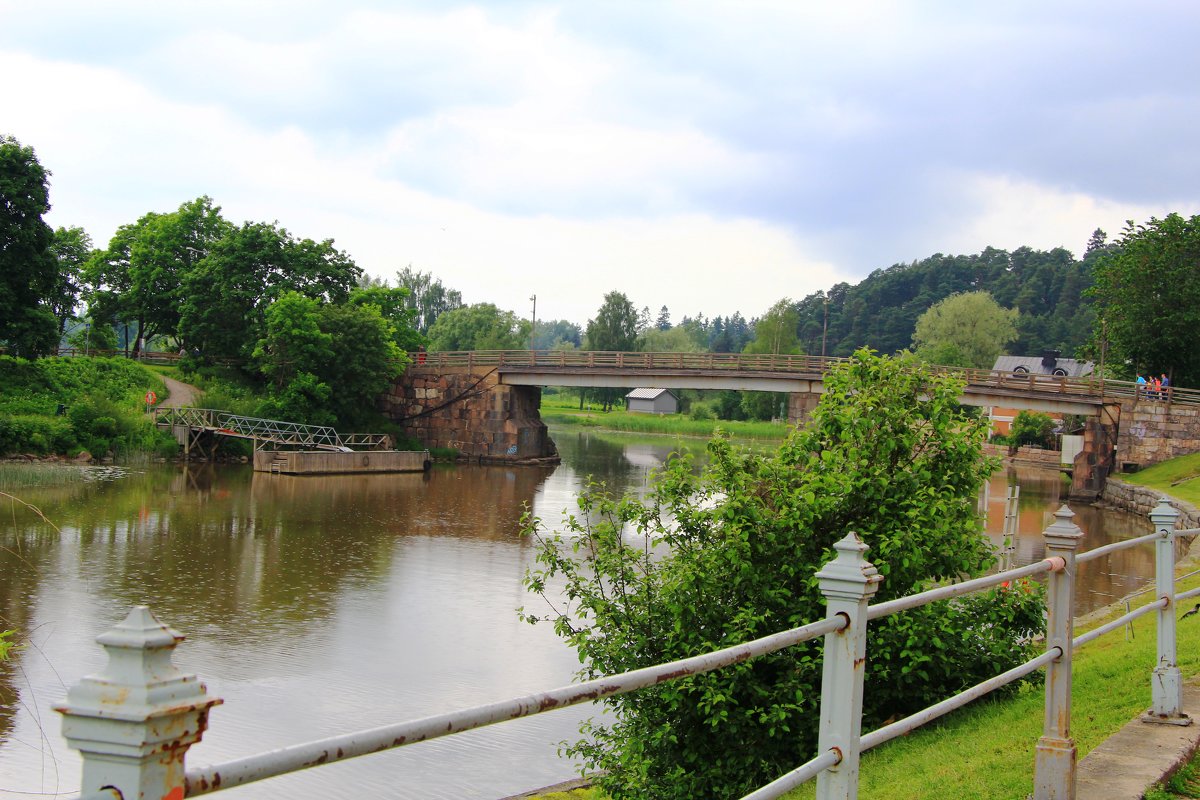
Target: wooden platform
point(295, 462)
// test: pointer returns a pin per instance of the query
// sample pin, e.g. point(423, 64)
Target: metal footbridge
point(203, 422)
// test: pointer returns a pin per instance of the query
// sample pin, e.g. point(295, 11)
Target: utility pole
point(825, 326)
point(533, 327)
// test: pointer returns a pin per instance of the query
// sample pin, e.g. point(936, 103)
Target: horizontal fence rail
point(1082, 388)
point(848, 581)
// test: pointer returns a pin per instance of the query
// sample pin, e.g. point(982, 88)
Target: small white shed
point(652, 401)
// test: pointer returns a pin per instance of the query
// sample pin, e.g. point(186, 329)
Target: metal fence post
point(134, 721)
point(1054, 772)
point(848, 582)
point(1166, 684)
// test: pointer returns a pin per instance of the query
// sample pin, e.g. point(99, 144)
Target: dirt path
point(182, 394)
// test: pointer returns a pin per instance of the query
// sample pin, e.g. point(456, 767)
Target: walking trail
point(181, 394)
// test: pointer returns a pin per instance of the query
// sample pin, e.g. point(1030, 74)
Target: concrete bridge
point(485, 403)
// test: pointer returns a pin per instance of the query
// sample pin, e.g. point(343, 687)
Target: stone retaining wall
point(1140, 500)
point(472, 413)
point(1030, 456)
point(1153, 431)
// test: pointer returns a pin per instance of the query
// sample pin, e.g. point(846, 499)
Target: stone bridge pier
point(472, 412)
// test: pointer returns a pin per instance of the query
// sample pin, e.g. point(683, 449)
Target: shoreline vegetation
point(659, 424)
point(994, 739)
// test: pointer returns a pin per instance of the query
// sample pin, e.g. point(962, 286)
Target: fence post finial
point(848, 582)
point(1166, 684)
point(134, 721)
point(1054, 769)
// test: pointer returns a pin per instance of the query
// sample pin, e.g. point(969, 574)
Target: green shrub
point(702, 411)
point(1034, 428)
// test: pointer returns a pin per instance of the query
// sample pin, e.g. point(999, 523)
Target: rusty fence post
point(848, 582)
point(133, 722)
point(1054, 769)
point(1166, 684)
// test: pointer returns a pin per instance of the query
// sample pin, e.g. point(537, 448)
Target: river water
point(317, 606)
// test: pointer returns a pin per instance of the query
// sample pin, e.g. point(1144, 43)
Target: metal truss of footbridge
point(778, 373)
point(279, 434)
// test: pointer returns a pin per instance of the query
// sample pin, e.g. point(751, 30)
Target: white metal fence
point(134, 722)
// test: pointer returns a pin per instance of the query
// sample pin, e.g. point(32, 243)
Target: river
point(321, 606)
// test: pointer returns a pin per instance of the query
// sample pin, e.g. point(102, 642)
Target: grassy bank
point(67, 405)
point(1179, 477)
point(670, 424)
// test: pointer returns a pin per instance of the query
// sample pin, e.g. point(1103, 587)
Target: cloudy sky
point(707, 156)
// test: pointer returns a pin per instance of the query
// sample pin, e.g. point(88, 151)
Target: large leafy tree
point(1148, 296)
point(142, 276)
point(730, 554)
point(71, 247)
point(394, 306)
point(775, 331)
point(965, 330)
point(28, 269)
point(225, 295)
point(615, 326)
point(327, 363)
point(427, 297)
point(481, 326)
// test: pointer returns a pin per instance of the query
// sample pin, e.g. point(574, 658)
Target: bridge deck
point(271, 431)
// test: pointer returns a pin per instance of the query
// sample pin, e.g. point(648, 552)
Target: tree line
point(191, 280)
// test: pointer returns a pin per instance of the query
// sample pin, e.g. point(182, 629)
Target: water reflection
point(323, 605)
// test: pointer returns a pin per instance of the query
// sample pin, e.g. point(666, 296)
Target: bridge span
point(488, 399)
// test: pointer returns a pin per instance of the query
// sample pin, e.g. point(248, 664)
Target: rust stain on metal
point(340, 752)
point(321, 759)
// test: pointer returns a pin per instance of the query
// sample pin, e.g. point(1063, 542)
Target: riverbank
point(666, 424)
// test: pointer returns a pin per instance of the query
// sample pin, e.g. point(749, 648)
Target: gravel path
point(182, 394)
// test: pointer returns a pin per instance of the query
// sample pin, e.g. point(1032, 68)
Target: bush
point(1032, 427)
point(888, 454)
point(702, 411)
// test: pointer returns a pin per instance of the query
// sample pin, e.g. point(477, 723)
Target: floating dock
point(324, 462)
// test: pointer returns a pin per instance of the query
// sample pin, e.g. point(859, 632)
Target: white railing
point(134, 723)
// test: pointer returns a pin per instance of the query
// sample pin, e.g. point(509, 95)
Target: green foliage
point(6, 644)
point(327, 363)
point(888, 454)
point(965, 330)
point(29, 278)
point(226, 294)
point(394, 306)
point(701, 411)
point(763, 405)
point(427, 297)
point(142, 276)
point(775, 331)
point(1148, 295)
point(481, 326)
point(103, 400)
point(615, 326)
point(881, 311)
point(1032, 428)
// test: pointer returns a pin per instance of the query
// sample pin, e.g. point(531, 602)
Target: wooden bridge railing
point(1090, 386)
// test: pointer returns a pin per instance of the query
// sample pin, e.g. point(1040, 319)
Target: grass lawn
point(566, 412)
point(1179, 477)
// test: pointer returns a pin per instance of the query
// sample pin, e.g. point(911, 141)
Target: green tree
point(731, 551)
point(226, 294)
point(672, 340)
point(615, 326)
point(293, 342)
point(71, 247)
point(965, 330)
point(1032, 427)
point(428, 298)
point(365, 360)
point(1148, 298)
point(481, 326)
point(557, 334)
point(394, 306)
point(145, 273)
point(775, 331)
point(29, 280)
